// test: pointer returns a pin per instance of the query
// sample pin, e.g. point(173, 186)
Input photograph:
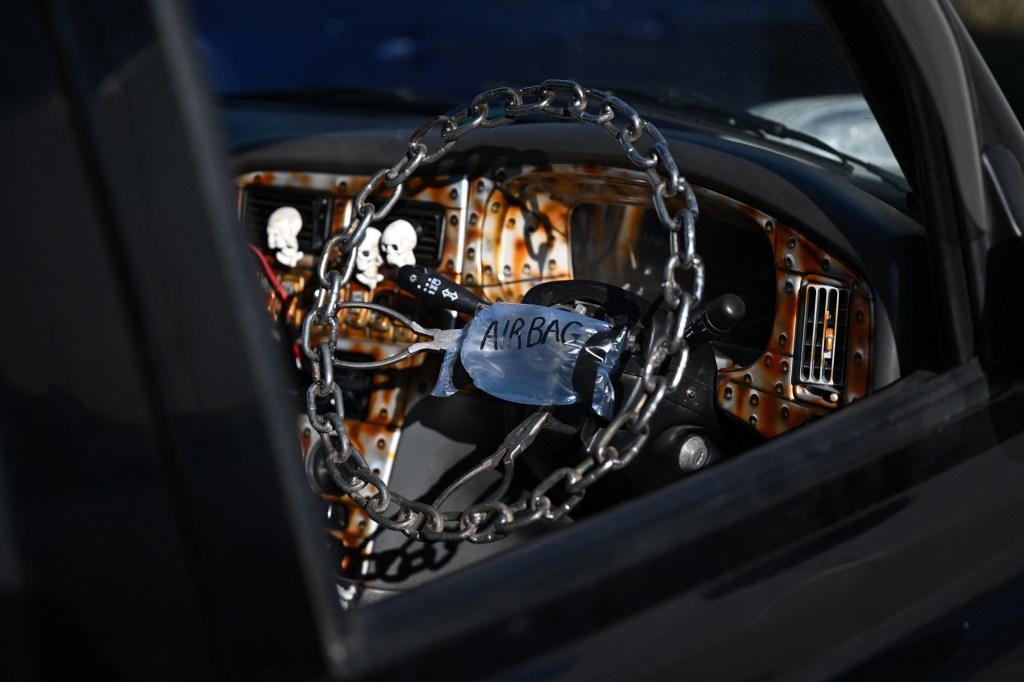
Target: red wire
point(274, 281)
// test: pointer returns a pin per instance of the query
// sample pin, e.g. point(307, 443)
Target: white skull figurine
point(398, 241)
point(283, 229)
point(368, 258)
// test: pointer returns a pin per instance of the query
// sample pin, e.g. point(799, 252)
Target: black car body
point(157, 522)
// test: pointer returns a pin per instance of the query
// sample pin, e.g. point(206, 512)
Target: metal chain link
point(614, 446)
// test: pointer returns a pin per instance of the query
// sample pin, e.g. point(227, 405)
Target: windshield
point(774, 58)
point(742, 53)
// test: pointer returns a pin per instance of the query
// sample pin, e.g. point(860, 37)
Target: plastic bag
point(532, 354)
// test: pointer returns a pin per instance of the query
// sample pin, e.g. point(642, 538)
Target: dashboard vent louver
point(315, 207)
point(826, 314)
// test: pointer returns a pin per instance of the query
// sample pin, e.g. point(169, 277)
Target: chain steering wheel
point(664, 357)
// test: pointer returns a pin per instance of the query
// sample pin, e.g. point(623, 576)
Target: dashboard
point(500, 220)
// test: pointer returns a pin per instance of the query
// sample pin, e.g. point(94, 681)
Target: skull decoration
point(283, 229)
point(368, 258)
point(398, 241)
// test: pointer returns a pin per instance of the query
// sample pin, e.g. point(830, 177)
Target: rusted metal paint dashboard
point(803, 351)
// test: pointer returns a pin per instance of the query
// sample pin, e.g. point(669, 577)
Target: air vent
point(428, 219)
point(823, 346)
point(259, 201)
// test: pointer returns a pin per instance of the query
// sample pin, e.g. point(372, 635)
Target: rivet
point(450, 265)
point(860, 315)
point(728, 392)
point(507, 270)
point(480, 186)
point(342, 185)
point(473, 218)
point(784, 366)
point(471, 253)
point(753, 419)
point(552, 264)
point(788, 260)
point(511, 223)
point(454, 220)
point(785, 412)
point(768, 225)
point(833, 397)
point(383, 413)
point(825, 264)
point(381, 443)
point(306, 433)
point(470, 279)
point(495, 207)
point(858, 358)
point(768, 361)
point(789, 286)
point(754, 400)
point(526, 268)
point(779, 388)
point(454, 194)
point(782, 339)
point(691, 393)
point(488, 271)
point(791, 243)
point(747, 379)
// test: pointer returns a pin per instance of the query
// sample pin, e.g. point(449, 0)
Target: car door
point(881, 543)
